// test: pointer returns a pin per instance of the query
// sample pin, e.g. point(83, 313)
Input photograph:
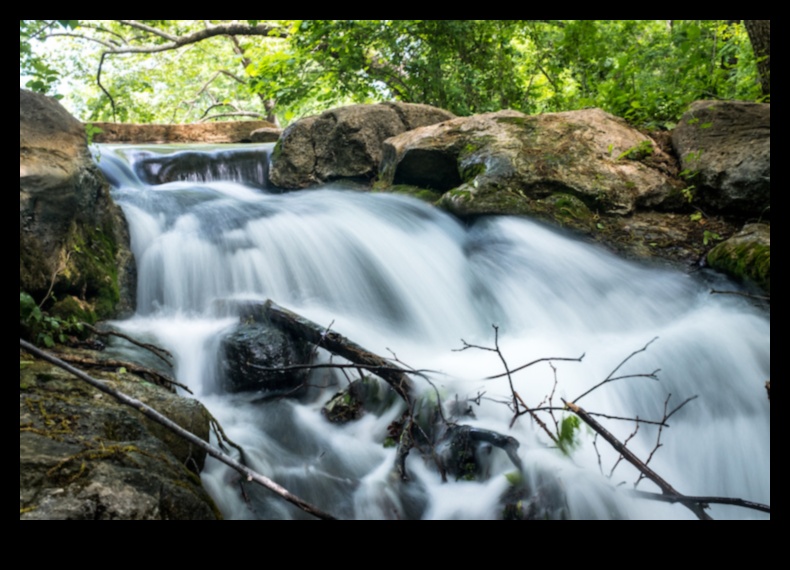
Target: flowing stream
point(396, 275)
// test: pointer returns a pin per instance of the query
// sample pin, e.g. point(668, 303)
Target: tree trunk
point(760, 35)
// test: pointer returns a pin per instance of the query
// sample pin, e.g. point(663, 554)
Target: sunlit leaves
point(647, 71)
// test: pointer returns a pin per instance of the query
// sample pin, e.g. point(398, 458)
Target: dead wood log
point(111, 364)
point(160, 352)
point(336, 343)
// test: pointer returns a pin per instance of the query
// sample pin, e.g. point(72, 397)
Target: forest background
point(181, 71)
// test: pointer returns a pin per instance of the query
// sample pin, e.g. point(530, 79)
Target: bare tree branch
point(528, 364)
point(99, 83)
point(149, 29)
point(130, 366)
point(612, 377)
point(106, 44)
point(233, 114)
point(629, 456)
point(163, 354)
point(688, 499)
point(742, 294)
point(341, 346)
point(175, 42)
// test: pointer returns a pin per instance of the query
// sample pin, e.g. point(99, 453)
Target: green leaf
point(568, 435)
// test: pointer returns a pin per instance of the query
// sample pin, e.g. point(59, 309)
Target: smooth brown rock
point(344, 142)
point(497, 163)
point(70, 230)
point(221, 132)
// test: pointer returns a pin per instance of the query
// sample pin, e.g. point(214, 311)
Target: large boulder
point(504, 162)
point(221, 132)
point(725, 151)
point(84, 456)
point(344, 142)
point(73, 240)
point(746, 255)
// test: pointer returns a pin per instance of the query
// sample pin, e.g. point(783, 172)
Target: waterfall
point(398, 276)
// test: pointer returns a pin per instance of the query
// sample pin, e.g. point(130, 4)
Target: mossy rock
point(85, 456)
point(746, 255)
point(425, 194)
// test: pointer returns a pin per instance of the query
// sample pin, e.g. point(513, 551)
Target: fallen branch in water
point(629, 456)
point(517, 404)
point(129, 366)
point(397, 378)
point(688, 499)
point(178, 430)
point(306, 329)
point(160, 352)
point(742, 294)
point(412, 434)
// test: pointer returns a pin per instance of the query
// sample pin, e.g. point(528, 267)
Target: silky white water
point(396, 275)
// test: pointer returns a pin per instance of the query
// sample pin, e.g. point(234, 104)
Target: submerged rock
point(746, 255)
point(84, 456)
point(725, 151)
point(344, 142)
point(71, 234)
point(363, 395)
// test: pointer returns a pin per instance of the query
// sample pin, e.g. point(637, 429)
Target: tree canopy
point(647, 71)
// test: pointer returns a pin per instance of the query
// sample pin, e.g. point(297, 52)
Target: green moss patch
point(748, 260)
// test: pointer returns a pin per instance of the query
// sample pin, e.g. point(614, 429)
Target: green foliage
point(638, 152)
point(43, 328)
point(42, 76)
point(91, 131)
point(709, 237)
point(646, 71)
point(568, 435)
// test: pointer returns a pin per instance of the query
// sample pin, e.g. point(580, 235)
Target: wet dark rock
point(367, 394)
point(465, 451)
point(725, 151)
point(256, 346)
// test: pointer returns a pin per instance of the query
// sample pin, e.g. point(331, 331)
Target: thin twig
point(611, 377)
point(742, 294)
point(625, 444)
point(99, 83)
point(368, 367)
point(629, 456)
point(528, 364)
point(156, 350)
point(129, 366)
point(688, 499)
